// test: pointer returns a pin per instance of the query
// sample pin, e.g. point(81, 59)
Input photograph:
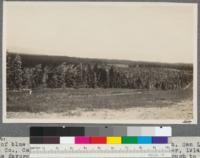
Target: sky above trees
point(133, 31)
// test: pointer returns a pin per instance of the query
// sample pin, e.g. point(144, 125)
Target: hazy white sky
point(133, 31)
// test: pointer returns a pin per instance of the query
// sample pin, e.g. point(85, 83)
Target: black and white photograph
point(100, 62)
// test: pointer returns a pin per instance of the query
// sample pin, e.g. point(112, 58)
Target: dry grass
point(69, 99)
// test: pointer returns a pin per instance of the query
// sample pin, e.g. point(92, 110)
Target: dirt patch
point(181, 110)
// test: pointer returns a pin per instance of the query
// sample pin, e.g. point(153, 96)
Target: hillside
point(45, 60)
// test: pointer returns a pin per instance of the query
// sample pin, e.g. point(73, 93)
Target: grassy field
point(63, 100)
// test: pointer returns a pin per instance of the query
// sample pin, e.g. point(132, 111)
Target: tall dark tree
point(79, 75)
point(112, 77)
point(38, 75)
point(85, 76)
point(90, 74)
point(70, 75)
point(61, 72)
point(45, 76)
point(9, 74)
point(17, 72)
point(94, 76)
point(52, 80)
point(28, 80)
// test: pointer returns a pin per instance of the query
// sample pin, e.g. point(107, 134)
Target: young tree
point(52, 80)
point(27, 78)
point(79, 75)
point(61, 71)
point(84, 76)
point(112, 77)
point(17, 72)
point(94, 82)
point(69, 76)
point(9, 74)
point(38, 75)
point(94, 76)
point(102, 77)
point(45, 76)
point(89, 75)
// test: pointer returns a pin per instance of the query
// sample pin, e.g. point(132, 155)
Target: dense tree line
point(93, 75)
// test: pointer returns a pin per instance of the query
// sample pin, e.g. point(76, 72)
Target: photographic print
point(100, 62)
